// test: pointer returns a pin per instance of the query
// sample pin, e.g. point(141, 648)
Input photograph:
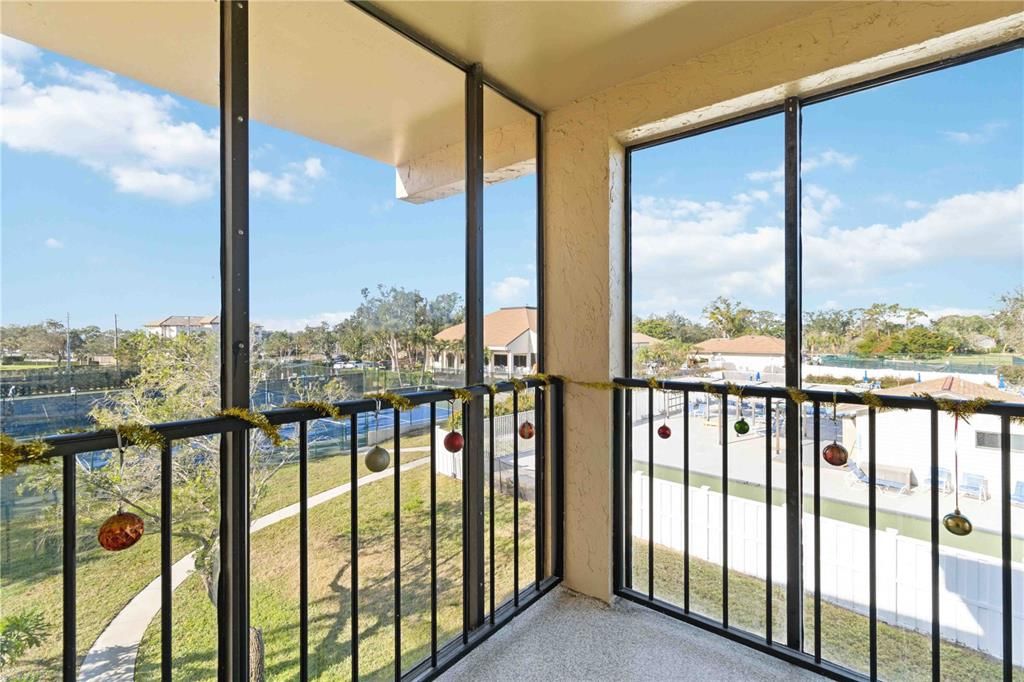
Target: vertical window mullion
point(233, 592)
point(794, 470)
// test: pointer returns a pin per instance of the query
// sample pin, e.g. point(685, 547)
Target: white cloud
point(173, 187)
point(829, 157)
point(913, 205)
point(509, 291)
point(293, 324)
point(135, 139)
point(818, 206)
point(981, 226)
point(763, 175)
point(132, 137)
point(685, 253)
point(313, 168)
point(280, 186)
point(53, 243)
point(979, 135)
point(14, 51)
point(935, 313)
point(291, 184)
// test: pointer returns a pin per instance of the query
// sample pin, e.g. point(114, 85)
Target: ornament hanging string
point(956, 460)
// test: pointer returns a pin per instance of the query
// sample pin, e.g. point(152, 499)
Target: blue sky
point(110, 205)
point(912, 194)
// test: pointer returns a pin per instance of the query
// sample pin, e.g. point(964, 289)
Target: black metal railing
point(442, 655)
point(805, 654)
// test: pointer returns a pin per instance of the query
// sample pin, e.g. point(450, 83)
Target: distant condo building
point(169, 327)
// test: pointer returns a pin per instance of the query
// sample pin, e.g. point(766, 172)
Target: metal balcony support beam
point(233, 586)
point(473, 504)
point(794, 437)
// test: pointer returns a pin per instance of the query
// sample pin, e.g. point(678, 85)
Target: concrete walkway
point(112, 656)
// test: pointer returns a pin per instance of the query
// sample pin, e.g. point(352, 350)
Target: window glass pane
point(357, 217)
point(511, 335)
point(109, 296)
point(913, 245)
point(707, 303)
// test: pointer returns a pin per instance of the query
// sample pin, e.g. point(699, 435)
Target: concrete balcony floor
point(566, 636)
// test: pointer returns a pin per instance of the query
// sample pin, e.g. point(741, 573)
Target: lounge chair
point(858, 475)
point(944, 482)
point(1017, 497)
point(974, 485)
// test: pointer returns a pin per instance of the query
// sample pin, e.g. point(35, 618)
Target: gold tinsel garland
point(140, 434)
point(322, 408)
point(257, 420)
point(396, 400)
point(13, 453)
point(957, 408)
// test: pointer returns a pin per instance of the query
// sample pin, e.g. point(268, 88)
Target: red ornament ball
point(121, 531)
point(526, 430)
point(454, 441)
point(835, 454)
point(664, 431)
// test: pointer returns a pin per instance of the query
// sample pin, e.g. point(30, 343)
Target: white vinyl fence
point(450, 464)
point(970, 598)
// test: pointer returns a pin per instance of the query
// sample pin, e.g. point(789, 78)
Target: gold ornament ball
point(957, 524)
point(377, 459)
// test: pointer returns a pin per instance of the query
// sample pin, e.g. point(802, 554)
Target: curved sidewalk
point(112, 656)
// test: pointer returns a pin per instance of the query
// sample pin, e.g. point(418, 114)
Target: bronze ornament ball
point(664, 431)
point(377, 459)
point(957, 524)
point(526, 430)
point(453, 442)
point(121, 531)
point(835, 454)
point(741, 426)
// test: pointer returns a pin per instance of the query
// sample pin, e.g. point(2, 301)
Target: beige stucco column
point(584, 198)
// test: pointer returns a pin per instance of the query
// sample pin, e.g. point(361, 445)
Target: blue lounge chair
point(1017, 497)
point(859, 476)
point(944, 482)
point(974, 485)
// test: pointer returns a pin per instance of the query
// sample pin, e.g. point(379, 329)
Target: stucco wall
point(584, 198)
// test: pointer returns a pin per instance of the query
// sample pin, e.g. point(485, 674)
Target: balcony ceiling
point(553, 52)
point(332, 73)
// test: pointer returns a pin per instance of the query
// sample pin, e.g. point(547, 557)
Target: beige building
point(748, 353)
point(510, 337)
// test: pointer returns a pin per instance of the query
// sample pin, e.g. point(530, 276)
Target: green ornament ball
point(741, 426)
point(377, 459)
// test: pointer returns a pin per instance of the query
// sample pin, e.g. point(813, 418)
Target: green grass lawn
point(275, 585)
point(902, 654)
point(24, 366)
point(31, 575)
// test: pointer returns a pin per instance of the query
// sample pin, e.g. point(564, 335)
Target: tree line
point(878, 330)
point(391, 324)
